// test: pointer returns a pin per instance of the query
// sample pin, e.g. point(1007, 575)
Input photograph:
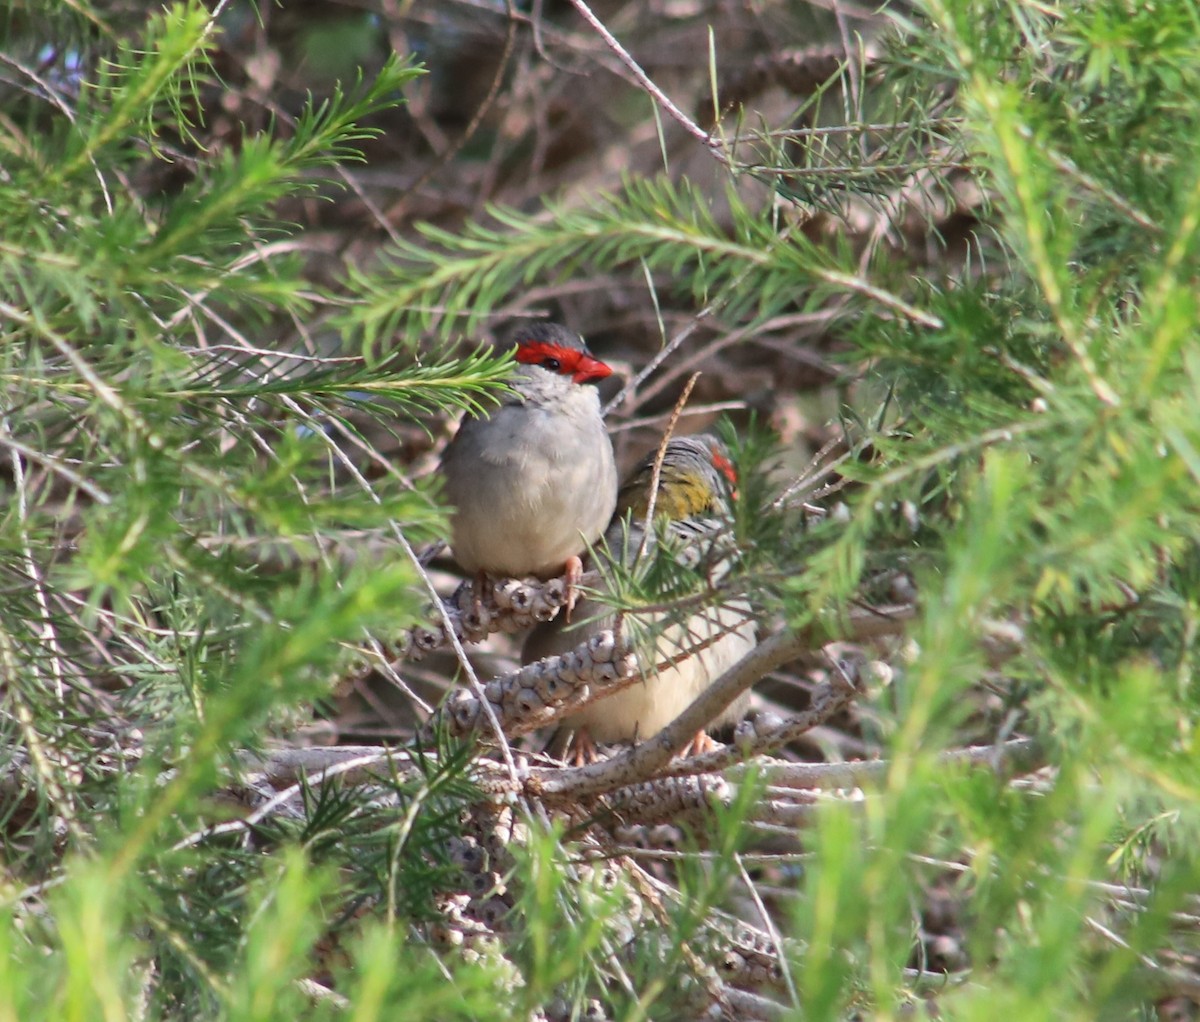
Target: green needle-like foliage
point(202, 505)
point(671, 228)
point(178, 533)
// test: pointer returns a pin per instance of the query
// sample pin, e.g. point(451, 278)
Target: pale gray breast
point(531, 484)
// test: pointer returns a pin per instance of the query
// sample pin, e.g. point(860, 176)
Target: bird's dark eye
point(553, 364)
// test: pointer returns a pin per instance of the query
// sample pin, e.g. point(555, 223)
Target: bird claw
point(573, 574)
point(700, 744)
point(582, 749)
point(574, 747)
point(477, 591)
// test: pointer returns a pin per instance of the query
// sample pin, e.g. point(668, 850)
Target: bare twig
point(706, 139)
point(481, 111)
point(1018, 756)
point(656, 474)
point(650, 757)
point(463, 659)
point(541, 693)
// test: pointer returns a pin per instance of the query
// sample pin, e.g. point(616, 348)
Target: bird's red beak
point(589, 369)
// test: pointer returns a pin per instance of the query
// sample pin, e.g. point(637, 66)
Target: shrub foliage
point(219, 404)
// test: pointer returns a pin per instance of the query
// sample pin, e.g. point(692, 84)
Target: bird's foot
point(582, 749)
point(478, 588)
point(573, 573)
point(573, 746)
point(700, 744)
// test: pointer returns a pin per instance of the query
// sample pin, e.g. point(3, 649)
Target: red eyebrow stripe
point(577, 364)
point(723, 465)
point(532, 352)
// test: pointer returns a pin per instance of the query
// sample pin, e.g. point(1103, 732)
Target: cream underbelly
point(646, 707)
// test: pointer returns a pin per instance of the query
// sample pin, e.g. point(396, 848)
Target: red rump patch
point(579, 365)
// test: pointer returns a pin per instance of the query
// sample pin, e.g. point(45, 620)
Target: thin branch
point(656, 473)
point(827, 701)
point(463, 659)
point(706, 139)
point(655, 753)
point(444, 158)
point(1018, 756)
point(769, 925)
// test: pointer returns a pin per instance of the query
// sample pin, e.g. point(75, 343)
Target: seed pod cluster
point(680, 800)
point(510, 605)
point(477, 912)
point(528, 699)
